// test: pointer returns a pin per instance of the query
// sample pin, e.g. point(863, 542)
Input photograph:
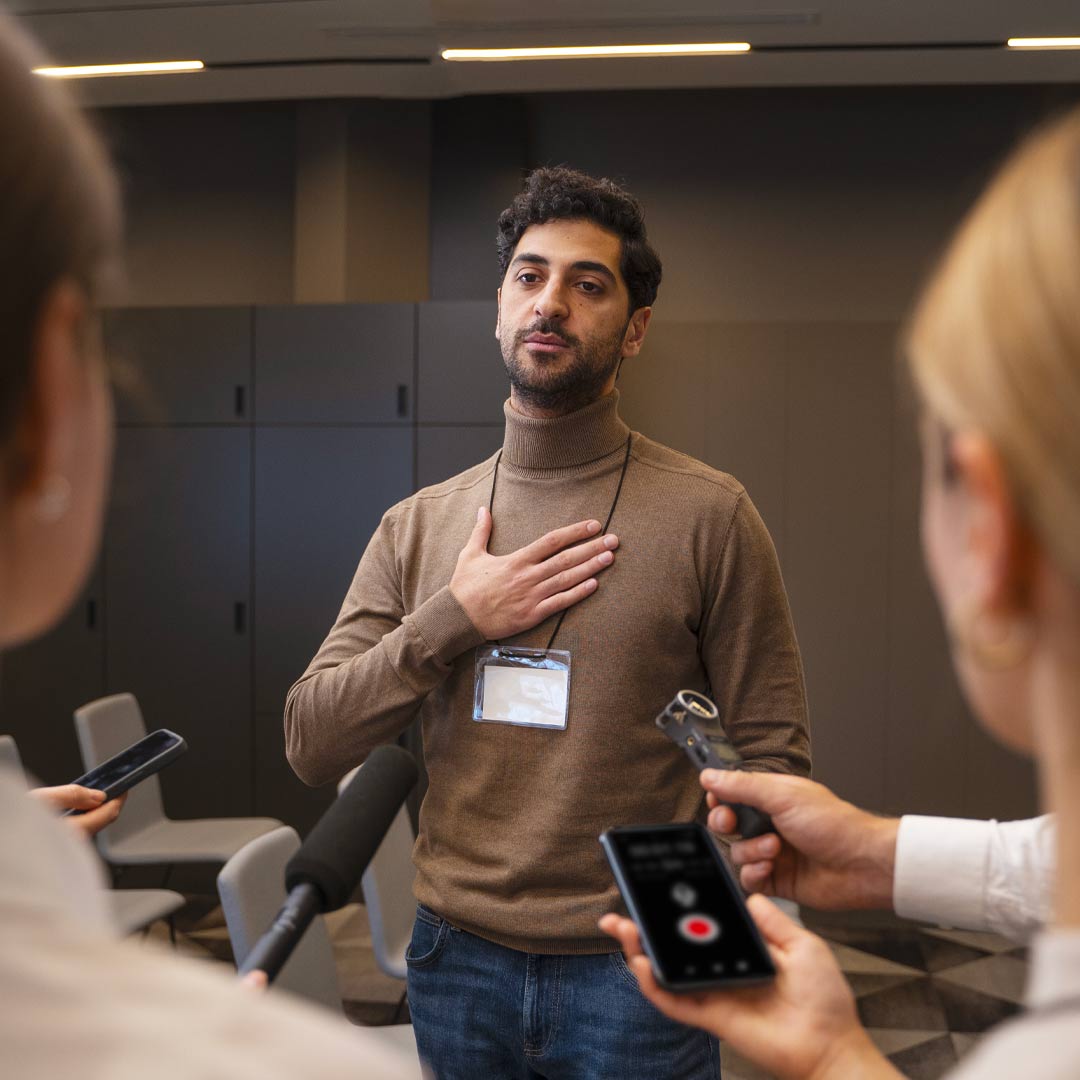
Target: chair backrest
point(251, 886)
point(387, 886)
point(9, 754)
point(105, 727)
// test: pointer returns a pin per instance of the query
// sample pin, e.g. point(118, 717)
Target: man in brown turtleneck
point(508, 973)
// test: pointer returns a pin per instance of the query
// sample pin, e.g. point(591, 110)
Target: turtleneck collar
point(567, 441)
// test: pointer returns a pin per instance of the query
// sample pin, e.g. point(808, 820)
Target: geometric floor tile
point(928, 1060)
point(941, 955)
point(912, 1006)
point(974, 939)
point(970, 1012)
point(890, 1041)
point(1000, 976)
point(863, 985)
point(897, 948)
point(963, 1043)
point(858, 961)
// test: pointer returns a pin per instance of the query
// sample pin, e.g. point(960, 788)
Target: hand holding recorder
point(825, 852)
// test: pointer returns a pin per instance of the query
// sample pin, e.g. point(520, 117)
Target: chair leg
point(168, 875)
point(402, 1002)
point(172, 929)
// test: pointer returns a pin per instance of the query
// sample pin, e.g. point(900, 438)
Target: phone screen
point(687, 907)
point(110, 773)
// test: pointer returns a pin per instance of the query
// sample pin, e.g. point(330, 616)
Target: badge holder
point(524, 687)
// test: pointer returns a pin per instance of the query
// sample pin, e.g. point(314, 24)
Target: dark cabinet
point(319, 495)
point(461, 375)
point(178, 634)
point(181, 365)
point(44, 681)
point(334, 364)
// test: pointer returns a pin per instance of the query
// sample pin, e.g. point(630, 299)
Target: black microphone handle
point(271, 951)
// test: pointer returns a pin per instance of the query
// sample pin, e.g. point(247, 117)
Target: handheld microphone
point(326, 869)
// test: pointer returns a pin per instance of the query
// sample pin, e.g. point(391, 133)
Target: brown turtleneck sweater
point(508, 829)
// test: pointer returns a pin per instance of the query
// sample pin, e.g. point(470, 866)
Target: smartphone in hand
point(693, 921)
point(140, 760)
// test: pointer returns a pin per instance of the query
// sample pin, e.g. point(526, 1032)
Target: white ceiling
point(280, 49)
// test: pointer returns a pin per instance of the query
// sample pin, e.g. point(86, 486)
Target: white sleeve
point(976, 875)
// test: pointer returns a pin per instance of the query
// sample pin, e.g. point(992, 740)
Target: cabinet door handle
point(239, 403)
point(91, 614)
point(402, 400)
point(239, 616)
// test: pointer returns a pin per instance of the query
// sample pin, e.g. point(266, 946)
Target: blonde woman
point(994, 350)
point(73, 1001)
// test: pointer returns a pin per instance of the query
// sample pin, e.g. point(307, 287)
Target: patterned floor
point(925, 995)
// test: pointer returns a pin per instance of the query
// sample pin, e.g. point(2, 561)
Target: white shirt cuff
point(941, 866)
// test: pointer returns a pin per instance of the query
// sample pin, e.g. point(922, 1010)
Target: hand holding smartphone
point(693, 921)
point(140, 760)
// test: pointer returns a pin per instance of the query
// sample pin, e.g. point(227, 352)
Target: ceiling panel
point(315, 48)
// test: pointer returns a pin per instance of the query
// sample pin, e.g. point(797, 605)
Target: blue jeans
point(484, 1012)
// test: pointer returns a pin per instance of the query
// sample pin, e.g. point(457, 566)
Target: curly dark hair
point(559, 194)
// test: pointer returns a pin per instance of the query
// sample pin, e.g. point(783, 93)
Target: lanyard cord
point(603, 531)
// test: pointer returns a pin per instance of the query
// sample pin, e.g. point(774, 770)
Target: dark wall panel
point(334, 363)
point(837, 546)
point(191, 365)
point(462, 378)
point(44, 681)
point(319, 496)
point(178, 572)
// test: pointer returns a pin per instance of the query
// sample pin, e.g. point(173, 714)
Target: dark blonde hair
point(994, 345)
point(59, 212)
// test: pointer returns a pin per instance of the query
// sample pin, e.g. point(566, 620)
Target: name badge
point(525, 687)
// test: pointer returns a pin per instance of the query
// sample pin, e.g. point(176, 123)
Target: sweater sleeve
point(375, 667)
point(749, 649)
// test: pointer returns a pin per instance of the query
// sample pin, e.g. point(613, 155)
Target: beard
point(560, 385)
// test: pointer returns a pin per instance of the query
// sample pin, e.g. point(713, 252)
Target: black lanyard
point(603, 531)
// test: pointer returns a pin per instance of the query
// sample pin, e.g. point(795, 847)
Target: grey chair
point(143, 834)
point(251, 886)
point(387, 887)
point(132, 910)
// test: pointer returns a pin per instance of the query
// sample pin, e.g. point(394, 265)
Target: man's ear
point(44, 435)
point(634, 337)
point(999, 540)
point(498, 316)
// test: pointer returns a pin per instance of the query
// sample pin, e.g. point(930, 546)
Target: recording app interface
point(699, 930)
point(104, 776)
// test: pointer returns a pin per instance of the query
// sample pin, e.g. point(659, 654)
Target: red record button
point(699, 929)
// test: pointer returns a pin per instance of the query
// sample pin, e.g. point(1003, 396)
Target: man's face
point(563, 325)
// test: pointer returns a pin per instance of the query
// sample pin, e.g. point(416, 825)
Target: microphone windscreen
point(337, 851)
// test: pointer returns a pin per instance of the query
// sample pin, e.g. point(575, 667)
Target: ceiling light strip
point(1044, 43)
point(579, 52)
point(97, 71)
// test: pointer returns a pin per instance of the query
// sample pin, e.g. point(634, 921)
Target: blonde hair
point(994, 343)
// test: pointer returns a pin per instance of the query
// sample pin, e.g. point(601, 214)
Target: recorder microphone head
point(336, 852)
point(687, 704)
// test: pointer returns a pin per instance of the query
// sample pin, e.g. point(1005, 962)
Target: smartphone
point(137, 762)
point(694, 924)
